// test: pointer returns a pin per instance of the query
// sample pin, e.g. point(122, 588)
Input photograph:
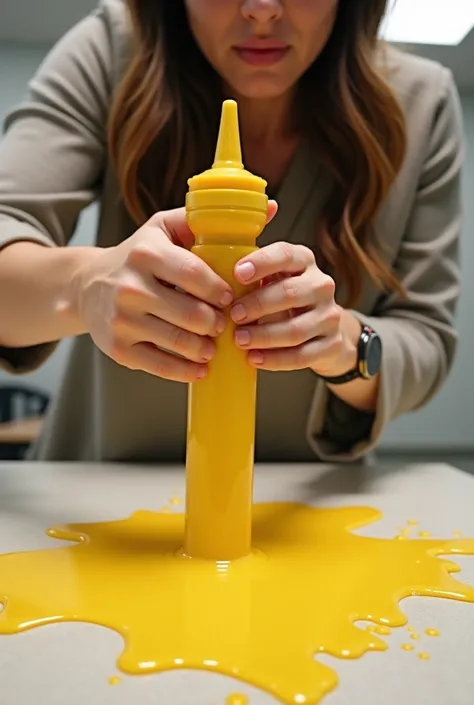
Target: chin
point(263, 88)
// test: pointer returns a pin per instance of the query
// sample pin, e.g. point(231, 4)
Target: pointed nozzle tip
point(228, 150)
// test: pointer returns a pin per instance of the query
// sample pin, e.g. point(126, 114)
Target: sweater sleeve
point(417, 332)
point(53, 151)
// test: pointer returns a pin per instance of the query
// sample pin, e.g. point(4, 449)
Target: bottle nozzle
point(227, 174)
point(228, 151)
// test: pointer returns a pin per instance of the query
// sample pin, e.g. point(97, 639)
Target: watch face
point(373, 355)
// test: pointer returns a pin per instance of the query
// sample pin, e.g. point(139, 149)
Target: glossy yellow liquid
point(432, 632)
point(263, 619)
point(221, 436)
point(237, 699)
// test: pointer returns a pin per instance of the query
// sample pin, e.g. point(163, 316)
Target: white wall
point(447, 423)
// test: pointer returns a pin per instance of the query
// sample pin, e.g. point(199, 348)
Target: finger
point(310, 354)
point(148, 328)
point(188, 313)
point(277, 258)
point(175, 307)
point(272, 210)
point(147, 358)
point(282, 295)
point(179, 267)
point(290, 332)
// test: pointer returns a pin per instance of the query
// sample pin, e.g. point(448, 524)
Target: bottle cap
point(227, 171)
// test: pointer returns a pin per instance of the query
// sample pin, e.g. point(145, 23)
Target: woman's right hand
point(128, 303)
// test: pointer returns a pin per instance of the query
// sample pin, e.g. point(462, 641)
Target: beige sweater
point(53, 163)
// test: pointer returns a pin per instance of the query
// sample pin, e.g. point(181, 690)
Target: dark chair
point(21, 403)
point(18, 403)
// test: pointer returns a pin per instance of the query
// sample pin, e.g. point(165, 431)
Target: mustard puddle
point(261, 619)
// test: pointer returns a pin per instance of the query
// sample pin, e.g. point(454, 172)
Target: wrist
point(81, 261)
point(348, 357)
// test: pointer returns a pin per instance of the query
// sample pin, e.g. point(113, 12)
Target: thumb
point(175, 226)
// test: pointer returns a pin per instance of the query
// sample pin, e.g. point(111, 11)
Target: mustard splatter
point(307, 582)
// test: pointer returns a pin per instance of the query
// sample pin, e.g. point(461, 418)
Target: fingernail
point(226, 299)
point(208, 352)
point(256, 357)
point(242, 337)
point(238, 313)
point(221, 324)
point(246, 271)
point(202, 372)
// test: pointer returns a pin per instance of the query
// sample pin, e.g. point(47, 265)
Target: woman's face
point(261, 47)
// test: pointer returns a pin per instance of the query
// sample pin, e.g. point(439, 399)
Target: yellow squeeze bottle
point(226, 210)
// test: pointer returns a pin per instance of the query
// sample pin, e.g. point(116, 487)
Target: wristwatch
point(369, 359)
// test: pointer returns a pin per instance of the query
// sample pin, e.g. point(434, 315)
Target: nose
point(262, 11)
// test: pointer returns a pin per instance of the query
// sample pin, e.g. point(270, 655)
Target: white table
point(69, 664)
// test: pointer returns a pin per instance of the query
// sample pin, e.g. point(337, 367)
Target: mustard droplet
point(380, 629)
point(432, 632)
point(236, 699)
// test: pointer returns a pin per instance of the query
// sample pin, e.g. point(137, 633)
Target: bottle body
point(221, 436)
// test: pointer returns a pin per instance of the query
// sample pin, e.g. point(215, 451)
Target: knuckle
point(177, 339)
point(307, 255)
point(287, 251)
point(183, 342)
point(300, 357)
point(296, 332)
point(127, 290)
point(255, 307)
point(118, 352)
point(290, 289)
point(156, 220)
point(335, 345)
point(199, 319)
point(190, 268)
point(118, 322)
point(138, 254)
point(333, 317)
point(328, 285)
point(260, 337)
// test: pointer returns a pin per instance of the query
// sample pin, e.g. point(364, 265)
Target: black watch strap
point(343, 379)
point(362, 368)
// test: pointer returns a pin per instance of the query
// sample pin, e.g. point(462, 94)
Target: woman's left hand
point(292, 321)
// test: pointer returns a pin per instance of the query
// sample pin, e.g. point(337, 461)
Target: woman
point(361, 146)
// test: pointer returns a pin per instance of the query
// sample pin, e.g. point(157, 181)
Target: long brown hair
point(165, 115)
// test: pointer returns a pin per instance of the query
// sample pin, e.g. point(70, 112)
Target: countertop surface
point(70, 664)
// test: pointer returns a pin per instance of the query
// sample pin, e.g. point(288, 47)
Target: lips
point(262, 52)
